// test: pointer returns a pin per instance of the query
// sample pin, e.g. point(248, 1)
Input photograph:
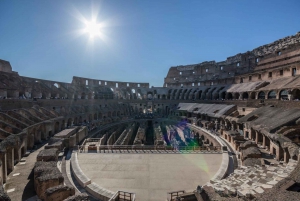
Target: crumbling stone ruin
point(247, 105)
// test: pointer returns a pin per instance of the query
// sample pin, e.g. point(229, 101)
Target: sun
point(92, 28)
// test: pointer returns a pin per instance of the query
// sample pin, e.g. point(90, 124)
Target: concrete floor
point(150, 176)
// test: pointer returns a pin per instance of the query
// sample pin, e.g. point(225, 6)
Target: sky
point(139, 40)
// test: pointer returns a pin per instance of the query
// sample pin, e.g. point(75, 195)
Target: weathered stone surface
point(60, 192)
point(48, 155)
point(78, 197)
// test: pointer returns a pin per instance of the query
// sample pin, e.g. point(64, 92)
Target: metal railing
point(123, 196)
point(172, 196)
point(146, 148)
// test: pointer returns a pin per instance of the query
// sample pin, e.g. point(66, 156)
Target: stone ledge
point(81, 178)
point(99, 192)
point(224, 167)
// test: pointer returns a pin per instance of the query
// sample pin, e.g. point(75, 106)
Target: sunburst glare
point(93, 28)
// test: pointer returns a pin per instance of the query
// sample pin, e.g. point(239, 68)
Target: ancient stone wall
point(279, 53)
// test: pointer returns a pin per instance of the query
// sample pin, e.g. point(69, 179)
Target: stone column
point(256, 138)
point(264, 141)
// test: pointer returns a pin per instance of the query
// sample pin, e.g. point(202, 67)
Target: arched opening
point(272, 95)
point(261, 95)
point(236, 95)
point(216, 96)
point(252, 96)
point(56, 85)
point(296, 94)
point(223, 95)
point(283, 95)
point(245, 95)
point(229, 96)
point(205, 95)
point(83, 96)
point(149, 95)
point(295, 157)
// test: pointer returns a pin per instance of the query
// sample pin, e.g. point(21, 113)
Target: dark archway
point(261, 95)
point(245, 95)
point(272, 95)
point(283, 95)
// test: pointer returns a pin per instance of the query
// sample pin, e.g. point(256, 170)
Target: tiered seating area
point(248, 181)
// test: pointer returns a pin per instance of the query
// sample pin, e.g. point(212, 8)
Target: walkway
point(19, 184)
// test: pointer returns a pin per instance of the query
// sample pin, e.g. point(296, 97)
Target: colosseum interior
point(227, 130)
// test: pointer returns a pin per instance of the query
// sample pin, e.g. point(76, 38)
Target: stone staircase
point(248, 181)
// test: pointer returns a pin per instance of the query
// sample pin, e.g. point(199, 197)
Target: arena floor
point(150, 176)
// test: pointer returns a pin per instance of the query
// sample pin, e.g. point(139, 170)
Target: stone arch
point(229, 96)
point(261, 95)
point(199, 95)
point(283, 94)
point(205, 93)
point(245, 95)
point(295, 157)
point(183, 94)
point(173, 94)
point(216, 96)
point(149, 95)
point(223, 95)
point(210, 93)
point(296, 94)
point(272, 94)
point(236, 95)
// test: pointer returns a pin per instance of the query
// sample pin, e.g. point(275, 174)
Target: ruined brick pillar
point(17, 154)
point(286, 156)
point(10, 160)
point(3, 167)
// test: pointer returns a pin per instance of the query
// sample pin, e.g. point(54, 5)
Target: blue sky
point(143, 39)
